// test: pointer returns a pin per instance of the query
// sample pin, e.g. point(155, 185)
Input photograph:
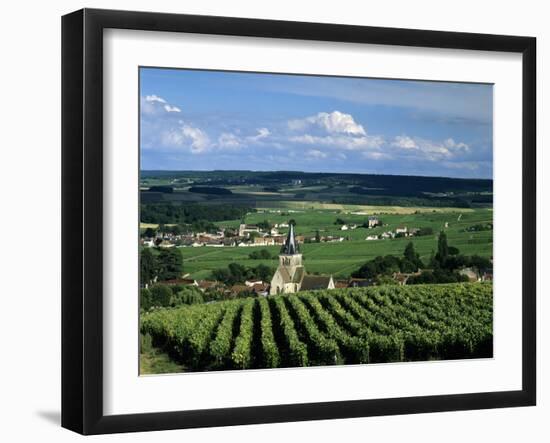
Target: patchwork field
point(342, 258)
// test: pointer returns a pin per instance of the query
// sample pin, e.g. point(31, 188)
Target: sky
point(207, 120)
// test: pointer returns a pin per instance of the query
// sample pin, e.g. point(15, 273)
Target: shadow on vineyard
point(328, 327)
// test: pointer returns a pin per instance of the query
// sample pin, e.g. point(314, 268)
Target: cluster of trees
point(161, 188)
point(446, 263)
point(166, 265)
point(237, 273)
point(389, 264)
point(425, 231)
point(178, 229)
point(478, 227)
point(263, 254)
point(264, 225)
point(177, 213)
point(160, 295)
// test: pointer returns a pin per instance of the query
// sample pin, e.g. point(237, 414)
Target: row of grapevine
point(355, 349)
point(296, 354)
point(270, 352)
point(326, 327)
point(322, 350)
point(242, 354)
point(220, 347)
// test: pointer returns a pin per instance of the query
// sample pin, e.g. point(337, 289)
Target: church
point(291, 276)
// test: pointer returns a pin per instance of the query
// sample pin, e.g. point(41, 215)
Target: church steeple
point(290, 247)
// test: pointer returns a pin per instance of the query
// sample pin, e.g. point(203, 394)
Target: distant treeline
point(419, 198)
point(160, 188)
point(174, 213)
point(210, 190)
point(401, 185)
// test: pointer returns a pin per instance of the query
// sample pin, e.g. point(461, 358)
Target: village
point(291, 276)
point(248, 235)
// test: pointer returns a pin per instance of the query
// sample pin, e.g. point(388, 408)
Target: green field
point(342, 326)
point(340, 259)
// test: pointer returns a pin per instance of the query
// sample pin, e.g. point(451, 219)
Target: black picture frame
point(82, 190)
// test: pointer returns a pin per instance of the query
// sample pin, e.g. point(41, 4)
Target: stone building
point(290, 276)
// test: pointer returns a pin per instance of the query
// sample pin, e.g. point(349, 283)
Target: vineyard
point(341, 326)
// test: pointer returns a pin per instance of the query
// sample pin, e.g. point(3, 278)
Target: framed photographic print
point(269, 221)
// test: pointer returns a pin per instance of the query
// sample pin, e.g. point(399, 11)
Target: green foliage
point(161, 295)
point(170, 264)
point(260, 255)
point(145, 299)
point(379, 266)
point(425, 231)
point(149, 233)
point(479, 262)
point(382, 280)
point(437, 276)
point(199, 339)
point(323, 350)
point(168, 213)
point(270, 353)
point(187, 295)
point(355, 349)
point(442, 249)
point(148, 266)
point(479, 227)
point(340, 221)
point(220, 347)
point(264, 225)
point(412, 261)
point(242, 353)
point(296, 354)
point(360, 325)
point(237, 273)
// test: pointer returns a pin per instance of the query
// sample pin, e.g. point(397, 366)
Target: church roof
point(291, 246)
point(312, 282)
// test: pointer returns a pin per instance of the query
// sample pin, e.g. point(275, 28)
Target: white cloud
point(429, 149)
point(341, 141)
point(229, 141)
point(404, 142)
point(375, 155)
point(169, 108)
point(186, 136)
point(261, 133)
point(335, 122)
point(153, 104)
point(453, 146)
point(154, 98)
point(316, 154)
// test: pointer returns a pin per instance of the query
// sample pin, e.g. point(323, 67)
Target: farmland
point(231, 327)
point(351, 326)
point(341, 258)
point(315, 201)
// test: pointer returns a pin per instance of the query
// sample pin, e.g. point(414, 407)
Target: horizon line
point(315, 172)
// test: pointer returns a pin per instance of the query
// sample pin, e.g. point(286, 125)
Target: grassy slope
point(154, 361)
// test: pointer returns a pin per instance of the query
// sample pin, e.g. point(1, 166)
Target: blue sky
point(204, 120)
